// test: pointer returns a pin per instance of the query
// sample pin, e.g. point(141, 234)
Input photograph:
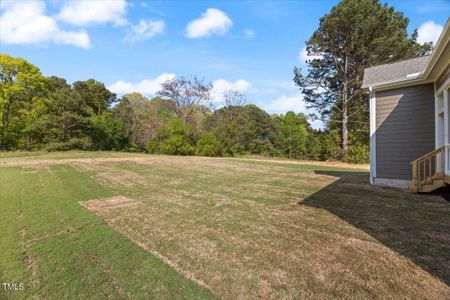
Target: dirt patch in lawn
point(104, 205)
point(107, 207)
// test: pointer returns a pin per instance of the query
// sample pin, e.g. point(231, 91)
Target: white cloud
point(303, 56)
point(79, 39)
point(249, 33)
point(285, 84)
point(213, 21)
point(82, 13)
point(26, 23)
point(145, 87)
point(284, 104)
point(429, 32)
point(121, 22)
point(145, 30)
point(222, 85)
point(294, 103)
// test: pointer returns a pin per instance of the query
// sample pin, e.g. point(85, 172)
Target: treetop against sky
point(251, 46)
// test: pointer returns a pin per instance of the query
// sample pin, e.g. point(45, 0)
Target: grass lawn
point(136, 226)
point(59, 250)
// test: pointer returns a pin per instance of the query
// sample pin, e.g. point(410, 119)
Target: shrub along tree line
point(47, 113)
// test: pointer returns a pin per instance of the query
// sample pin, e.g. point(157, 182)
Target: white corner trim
point(444, 86)
point(373, 136)
point(437, 133)
point(446, 116)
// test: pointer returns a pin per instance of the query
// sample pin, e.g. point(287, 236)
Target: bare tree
point(233, 97)
point(187, 94)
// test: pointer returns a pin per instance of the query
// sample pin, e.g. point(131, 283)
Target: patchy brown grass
point(258, 229)
point(331, 163)
point(44, 162)
point(105, 204)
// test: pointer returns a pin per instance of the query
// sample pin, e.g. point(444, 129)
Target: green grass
point(60, 250)
point(245, 228)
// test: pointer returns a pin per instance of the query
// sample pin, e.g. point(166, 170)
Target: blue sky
point(134, 45)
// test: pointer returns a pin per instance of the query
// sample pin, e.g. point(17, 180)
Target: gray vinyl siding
point(404, 129)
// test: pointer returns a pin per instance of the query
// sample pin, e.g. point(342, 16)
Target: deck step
point(429, 187)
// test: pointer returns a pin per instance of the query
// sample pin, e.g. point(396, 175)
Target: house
point(410, 121)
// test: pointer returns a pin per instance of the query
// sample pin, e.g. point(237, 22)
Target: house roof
point(411, 71)
point(393, 72)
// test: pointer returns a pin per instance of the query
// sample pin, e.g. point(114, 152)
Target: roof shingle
point(394, 72)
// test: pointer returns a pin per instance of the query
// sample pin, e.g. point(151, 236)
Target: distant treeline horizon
point(47, 113)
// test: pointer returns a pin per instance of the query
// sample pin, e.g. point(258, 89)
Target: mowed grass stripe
point(11, 242)
point(60, 250)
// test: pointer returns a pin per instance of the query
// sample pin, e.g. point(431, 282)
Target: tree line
point(48, 113)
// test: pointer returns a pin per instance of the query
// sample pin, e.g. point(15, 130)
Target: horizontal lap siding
point(405, 129)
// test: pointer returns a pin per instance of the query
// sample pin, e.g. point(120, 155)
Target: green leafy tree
point(242, 129)
point(20, 83)
point(175, 138)
point(294, 135)
point(225, 122)
point(177, 145)
point(313, 145)
point(34, 118)
point(73, 123)
point(68, 115)
point(95, 95)
point(134, 112)
point(108, 133)
point(207, 145)
point(356, 34)
point(358, 153)
point(259, 133)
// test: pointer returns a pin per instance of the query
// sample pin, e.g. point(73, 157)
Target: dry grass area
point(264, 229)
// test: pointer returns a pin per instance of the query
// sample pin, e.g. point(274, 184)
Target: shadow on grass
point(415, 226)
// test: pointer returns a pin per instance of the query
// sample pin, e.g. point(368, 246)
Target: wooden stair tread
point(427, 188)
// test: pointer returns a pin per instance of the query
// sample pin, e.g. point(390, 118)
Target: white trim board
point(373, 137)
point(443, 87)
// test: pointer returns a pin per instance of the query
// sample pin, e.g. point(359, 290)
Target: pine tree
point(356, 34)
